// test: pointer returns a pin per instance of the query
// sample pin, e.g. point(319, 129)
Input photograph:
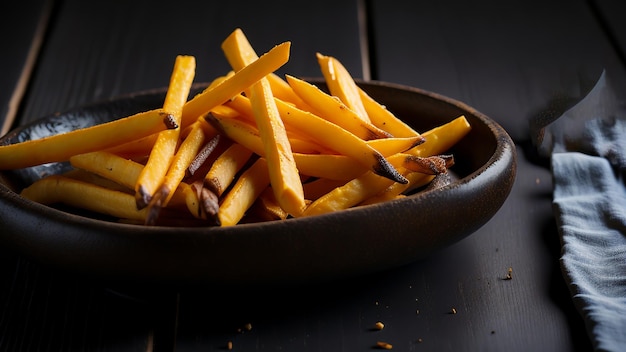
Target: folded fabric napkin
point(587, 150)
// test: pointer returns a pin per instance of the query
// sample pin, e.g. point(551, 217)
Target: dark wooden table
point(510, 60)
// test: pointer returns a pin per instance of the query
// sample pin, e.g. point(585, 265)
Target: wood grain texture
point(22, 35)
point(509, 60)
point(97, 50)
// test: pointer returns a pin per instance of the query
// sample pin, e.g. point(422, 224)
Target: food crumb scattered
point(379, 325)
point(248, 326)
point(417, 311)
point(384, 345)
point(229, 345)
point(420, 340)
point(509, 274)
point(453, 311)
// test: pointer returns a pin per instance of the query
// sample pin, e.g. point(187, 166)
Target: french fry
point(330, 166)
point(283, 91)
point(283, 172)
point(225, 167)
point(110, 166)
point(61, 147)
point(341, 84)
point(162, 153)
point(59, 189)
point(125, 172)
point(385, 119)
point(393, 145)
point(441, 138)
point(244, 193)
point(213, 96)
point(181, 162)
point(334, 110)
point(350, 194)
point(416, 180)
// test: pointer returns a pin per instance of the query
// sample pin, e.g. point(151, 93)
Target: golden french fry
point(341, 84)
point(83, 195)
point(125, 172)
point(331, 166)
point(416, 180)
point(334, 110)
point(235, 84)
point(439, 139)
point(225, 168)
point(110, 166)
point(283, 172)
point(283, 91)
point(61, 147)
point(244, 193)
point(385, 119)
point(162, 153)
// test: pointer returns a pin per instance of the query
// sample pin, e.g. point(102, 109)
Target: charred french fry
point(334, 110)
point(283, 172)
point(163, 152)
point(235, 84)
point(83, 195)
point(430, 165)
point(225, 167)
point(341, 84)
point(244, 193)
point(61, 147)
point(203, 154)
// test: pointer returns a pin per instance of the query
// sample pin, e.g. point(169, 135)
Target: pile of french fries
point(252, 146)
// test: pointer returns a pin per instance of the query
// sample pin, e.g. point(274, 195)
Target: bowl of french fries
point(253, 177)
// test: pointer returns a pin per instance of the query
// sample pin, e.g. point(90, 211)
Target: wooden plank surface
point(510, 61)
point(97, 50)
point(21, 36)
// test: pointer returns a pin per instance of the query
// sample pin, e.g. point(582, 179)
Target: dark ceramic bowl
point(353, 242)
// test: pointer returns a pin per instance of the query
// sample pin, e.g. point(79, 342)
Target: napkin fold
point(587, 150)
